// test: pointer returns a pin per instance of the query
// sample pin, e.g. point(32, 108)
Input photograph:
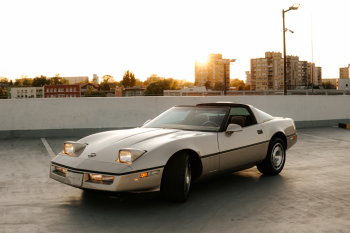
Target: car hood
point(106, 145)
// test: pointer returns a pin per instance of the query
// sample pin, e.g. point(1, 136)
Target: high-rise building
point(247, 78)
point(268, 73)
point(314, 74)
point(95, 79)
point(214, 70)
point(344, 72)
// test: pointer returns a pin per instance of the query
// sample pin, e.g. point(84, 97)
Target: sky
point(81, 38)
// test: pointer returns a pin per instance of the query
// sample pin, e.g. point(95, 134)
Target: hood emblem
point(92, 155)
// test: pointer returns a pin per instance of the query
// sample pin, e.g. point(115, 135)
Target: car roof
point(228, 104)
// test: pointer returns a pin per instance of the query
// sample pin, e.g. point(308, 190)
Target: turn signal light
point(144, 174)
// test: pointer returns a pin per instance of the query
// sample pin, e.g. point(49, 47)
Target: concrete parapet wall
point(88, 113)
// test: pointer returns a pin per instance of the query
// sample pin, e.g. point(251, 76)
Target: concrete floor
point(310, 195)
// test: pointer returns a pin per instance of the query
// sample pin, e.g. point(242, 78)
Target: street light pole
point(284, 57)
point(294, 7)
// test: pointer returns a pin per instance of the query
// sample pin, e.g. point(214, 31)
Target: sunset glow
point(78, 38)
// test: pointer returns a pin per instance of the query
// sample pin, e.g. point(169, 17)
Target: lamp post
point(294, 7)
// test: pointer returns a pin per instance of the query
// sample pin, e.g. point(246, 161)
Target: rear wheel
point(275, 158)
point(176, 180)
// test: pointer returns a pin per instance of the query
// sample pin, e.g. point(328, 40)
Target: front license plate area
point(74, 178)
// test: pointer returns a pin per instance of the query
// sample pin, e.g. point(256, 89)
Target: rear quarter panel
point(283, 125)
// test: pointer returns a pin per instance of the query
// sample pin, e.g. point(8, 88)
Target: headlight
point(69, 148)
point(129, 155)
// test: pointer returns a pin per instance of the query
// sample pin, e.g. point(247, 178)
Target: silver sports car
point(182, 145)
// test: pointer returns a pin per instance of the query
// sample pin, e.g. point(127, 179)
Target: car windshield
point(190, 118)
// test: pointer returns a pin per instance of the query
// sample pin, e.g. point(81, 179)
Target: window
point(55, 90)
point(242, 112)
point(70, 89)
point(67, 89)
point(75, 89)
point(264, 116)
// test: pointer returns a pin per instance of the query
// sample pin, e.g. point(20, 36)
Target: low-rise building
point(129, 91)
point(62, 91)
point(85, 86)
point(191, 91)
point(25, 92)
point(343, 84)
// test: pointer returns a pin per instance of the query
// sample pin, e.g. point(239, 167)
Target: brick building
point(62, 91)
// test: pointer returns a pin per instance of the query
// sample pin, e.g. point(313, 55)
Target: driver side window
point(241, 116)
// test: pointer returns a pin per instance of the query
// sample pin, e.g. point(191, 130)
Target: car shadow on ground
point(236, 193)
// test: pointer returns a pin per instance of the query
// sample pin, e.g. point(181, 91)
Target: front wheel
point(176, 180)
point(275, 158)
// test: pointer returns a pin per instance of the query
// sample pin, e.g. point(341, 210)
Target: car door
point(243, 147)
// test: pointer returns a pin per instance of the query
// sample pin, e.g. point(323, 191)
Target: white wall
point(70, 113)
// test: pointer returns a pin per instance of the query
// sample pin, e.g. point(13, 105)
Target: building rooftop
point(310, 195)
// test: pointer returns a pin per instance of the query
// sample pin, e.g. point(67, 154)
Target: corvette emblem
point(92, 155)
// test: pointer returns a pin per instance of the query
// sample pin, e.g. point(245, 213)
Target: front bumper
point(130, 182)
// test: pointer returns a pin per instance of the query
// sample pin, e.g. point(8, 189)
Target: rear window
point(264, 116)
point(237, 111)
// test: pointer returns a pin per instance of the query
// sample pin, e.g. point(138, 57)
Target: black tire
point(275, 158)
point(176, 179)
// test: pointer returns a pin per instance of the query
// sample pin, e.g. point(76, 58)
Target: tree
point(3, 93)
point(107, 79)
point(4, 80)
point(89, 90)
point(57, 80)
point(152, 78)
point(158, 87)
point(27, 82)
point(247, 88)
point(328, 85)
point(40, 81)
point(207, 85)
point(128, 79)
point(239, 84)
point(219, 86)
point(186, 84)
point(18, 82)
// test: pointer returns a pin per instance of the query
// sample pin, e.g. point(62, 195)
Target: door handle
point(260, 131)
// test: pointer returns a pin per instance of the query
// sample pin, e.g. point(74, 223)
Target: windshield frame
point(223, 123)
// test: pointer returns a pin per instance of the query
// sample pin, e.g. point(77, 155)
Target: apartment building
point(267, 72)
point(25, 92)
point(248, 78)
point(62, 91)
point(344, 72)
point(314, 74)
point(214, 70)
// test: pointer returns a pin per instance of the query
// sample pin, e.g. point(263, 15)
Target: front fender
point(159, 150)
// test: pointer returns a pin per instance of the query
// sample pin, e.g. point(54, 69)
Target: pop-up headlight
point(69, 148)
point(129, 155)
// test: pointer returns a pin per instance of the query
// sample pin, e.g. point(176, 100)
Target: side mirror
point(233, 128)
point(146, 122)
